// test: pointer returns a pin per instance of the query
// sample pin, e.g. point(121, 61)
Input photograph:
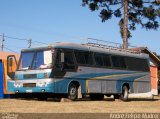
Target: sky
point(50, 21)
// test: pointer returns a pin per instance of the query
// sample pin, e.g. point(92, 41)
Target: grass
point(108, 105)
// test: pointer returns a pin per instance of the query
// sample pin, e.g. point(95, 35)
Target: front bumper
point(34, 90)
point(49, 88)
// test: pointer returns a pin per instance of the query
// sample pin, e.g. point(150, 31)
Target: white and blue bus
point(67, 69)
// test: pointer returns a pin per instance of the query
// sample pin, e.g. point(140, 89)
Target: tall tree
point(131, 13)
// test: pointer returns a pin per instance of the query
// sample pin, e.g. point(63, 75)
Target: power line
point(10, 50)
point(14, 38)
point(30, 41)
point(23, 39)
point(13, 46)
point(39, 42)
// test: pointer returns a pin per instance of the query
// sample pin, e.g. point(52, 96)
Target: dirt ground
point(108, 105)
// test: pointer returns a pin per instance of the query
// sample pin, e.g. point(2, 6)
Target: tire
point(124, 94)
point(72, 92)
point(96, 96)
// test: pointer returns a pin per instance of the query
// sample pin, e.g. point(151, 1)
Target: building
point(154, 67)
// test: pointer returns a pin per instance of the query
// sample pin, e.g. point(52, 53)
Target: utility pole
point(2, 42)
point(29, 43)
point(125, 26)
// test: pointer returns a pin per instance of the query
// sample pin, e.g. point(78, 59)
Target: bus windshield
point(35, 60)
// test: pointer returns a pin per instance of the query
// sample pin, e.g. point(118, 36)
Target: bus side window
point(135, 64)
point(69, 63)
point(80, 57)
point(58, 60)
point(99, 59)
point(102, 60)
point(84, 58)
point(106, 61)
point(118, 62)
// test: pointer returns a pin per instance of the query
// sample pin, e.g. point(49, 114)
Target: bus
point(72, 69)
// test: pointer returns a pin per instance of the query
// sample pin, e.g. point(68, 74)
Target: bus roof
point(90, 47)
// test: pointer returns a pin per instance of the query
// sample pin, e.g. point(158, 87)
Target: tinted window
point(106, 61)
point(84, 58)
point(89, 58)
point(102, 60)
point(80, 57)
point(68, 64)
point(137, 64)
point(58, 59)
point(118, 62)
point(99, 59)
point(69, 60)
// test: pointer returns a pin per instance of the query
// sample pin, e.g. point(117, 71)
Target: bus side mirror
point(62, 57)
point(10, 63)
point(11, 66)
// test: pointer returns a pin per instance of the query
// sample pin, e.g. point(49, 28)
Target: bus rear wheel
point(124, 94)
point(72, 92)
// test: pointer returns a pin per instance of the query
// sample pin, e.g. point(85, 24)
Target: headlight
point(42, 84)
point(18, 84)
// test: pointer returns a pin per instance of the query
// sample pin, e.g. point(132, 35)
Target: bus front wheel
point(72, 92)
point(124, 94)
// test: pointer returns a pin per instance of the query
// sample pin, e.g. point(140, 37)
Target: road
point(108, 105)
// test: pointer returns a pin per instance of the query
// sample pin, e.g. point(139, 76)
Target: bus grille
point(30, 76)
point(29, 85)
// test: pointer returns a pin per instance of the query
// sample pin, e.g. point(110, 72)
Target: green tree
point(130, 12)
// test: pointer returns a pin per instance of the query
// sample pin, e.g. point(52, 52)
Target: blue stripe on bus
point(94, 75)
point(61, 85)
